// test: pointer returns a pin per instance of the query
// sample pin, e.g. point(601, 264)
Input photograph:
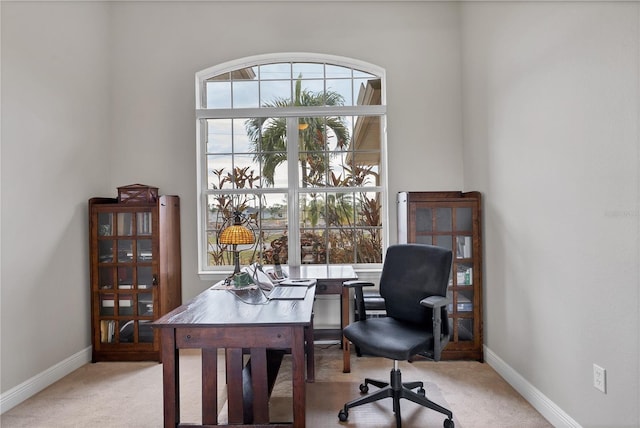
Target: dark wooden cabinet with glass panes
point(135, 274)
point(453, 220)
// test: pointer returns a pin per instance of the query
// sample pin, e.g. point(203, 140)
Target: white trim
point(293, 196)
point(403, 233)
point(369, 271)
point(205, 271)
point(252, 61)
point(37, 383)
point(230, 113)
point(201, 202)
point(547, 408)
point(384, 171)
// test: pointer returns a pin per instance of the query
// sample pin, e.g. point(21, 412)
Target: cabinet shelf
point(135, 275)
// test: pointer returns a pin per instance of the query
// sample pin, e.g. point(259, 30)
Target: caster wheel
point(421, 392)
point(364, 388)
point(343, 415)
point(448, 423)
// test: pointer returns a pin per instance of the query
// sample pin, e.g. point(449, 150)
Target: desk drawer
point(329, 287)
point(234, 337)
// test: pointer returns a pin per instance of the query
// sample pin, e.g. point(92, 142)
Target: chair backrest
point(410, 273)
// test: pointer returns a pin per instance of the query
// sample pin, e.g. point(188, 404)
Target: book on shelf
point(107, 330)
point(463, 304)
point(464, 276)
point(123, 303)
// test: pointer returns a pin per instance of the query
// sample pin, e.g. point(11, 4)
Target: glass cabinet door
point(125, 277)
point(145, 277)
point(105, 277)
point(105, 224)
point(125, 238)
point(144, 250)
point(451, 227)
point(125, 224)
point(144, 223)
point(125, 290)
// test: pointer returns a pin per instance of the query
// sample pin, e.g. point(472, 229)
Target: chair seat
point(389, 338)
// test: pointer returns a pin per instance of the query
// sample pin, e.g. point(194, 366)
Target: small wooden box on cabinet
point(452, 220)
point(135, 271)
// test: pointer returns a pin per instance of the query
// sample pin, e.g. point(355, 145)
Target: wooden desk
point(330, 279)
point(219, 319)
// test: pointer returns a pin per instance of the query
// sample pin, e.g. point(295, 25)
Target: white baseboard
point(37, 383)
point(547, 408)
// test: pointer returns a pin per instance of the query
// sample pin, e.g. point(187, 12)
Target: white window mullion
point(369, 110)
point(201, 198)
point(293, 214)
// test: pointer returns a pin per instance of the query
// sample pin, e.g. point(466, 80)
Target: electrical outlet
point(599, 378)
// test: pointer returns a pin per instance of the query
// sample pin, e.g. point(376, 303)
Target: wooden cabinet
point(451, 220)
point(135, 272)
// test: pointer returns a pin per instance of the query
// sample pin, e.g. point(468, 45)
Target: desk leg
point(170, 377)
point(298, 366)
point(209, 386)
point(311, 361)
point(259, 386)
point(344, 320)
point(235, 403)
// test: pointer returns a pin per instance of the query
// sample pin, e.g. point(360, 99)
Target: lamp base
point(236, 259)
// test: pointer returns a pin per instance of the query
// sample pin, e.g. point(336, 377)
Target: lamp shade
point(237, 235)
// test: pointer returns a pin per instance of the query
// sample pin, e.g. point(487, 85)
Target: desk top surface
point(238, 308)
point(250, 307)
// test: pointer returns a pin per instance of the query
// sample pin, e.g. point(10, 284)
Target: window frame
point(290, 113)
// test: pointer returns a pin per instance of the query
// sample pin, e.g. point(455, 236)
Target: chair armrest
point(438, 304)
point(357, 288)
point(355, 283)
point(434, 302)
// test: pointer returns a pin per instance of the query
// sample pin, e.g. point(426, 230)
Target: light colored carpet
point(325, 399)
point(129, 395)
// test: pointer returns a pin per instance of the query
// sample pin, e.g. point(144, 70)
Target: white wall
point(96, 95)
point(551, 125)
point(55, 154)
point(153, 80)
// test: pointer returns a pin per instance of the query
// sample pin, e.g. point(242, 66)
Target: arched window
point(295, 145)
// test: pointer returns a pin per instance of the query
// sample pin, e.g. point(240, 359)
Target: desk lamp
point(235, 235)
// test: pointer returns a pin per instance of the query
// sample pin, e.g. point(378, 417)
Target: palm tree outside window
point(295, 145)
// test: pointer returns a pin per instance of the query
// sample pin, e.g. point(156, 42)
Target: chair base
point(396, 390)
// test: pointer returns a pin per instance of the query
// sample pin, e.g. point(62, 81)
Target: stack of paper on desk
point(292, 282)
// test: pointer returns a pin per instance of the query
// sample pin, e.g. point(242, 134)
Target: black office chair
point(414, 285)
